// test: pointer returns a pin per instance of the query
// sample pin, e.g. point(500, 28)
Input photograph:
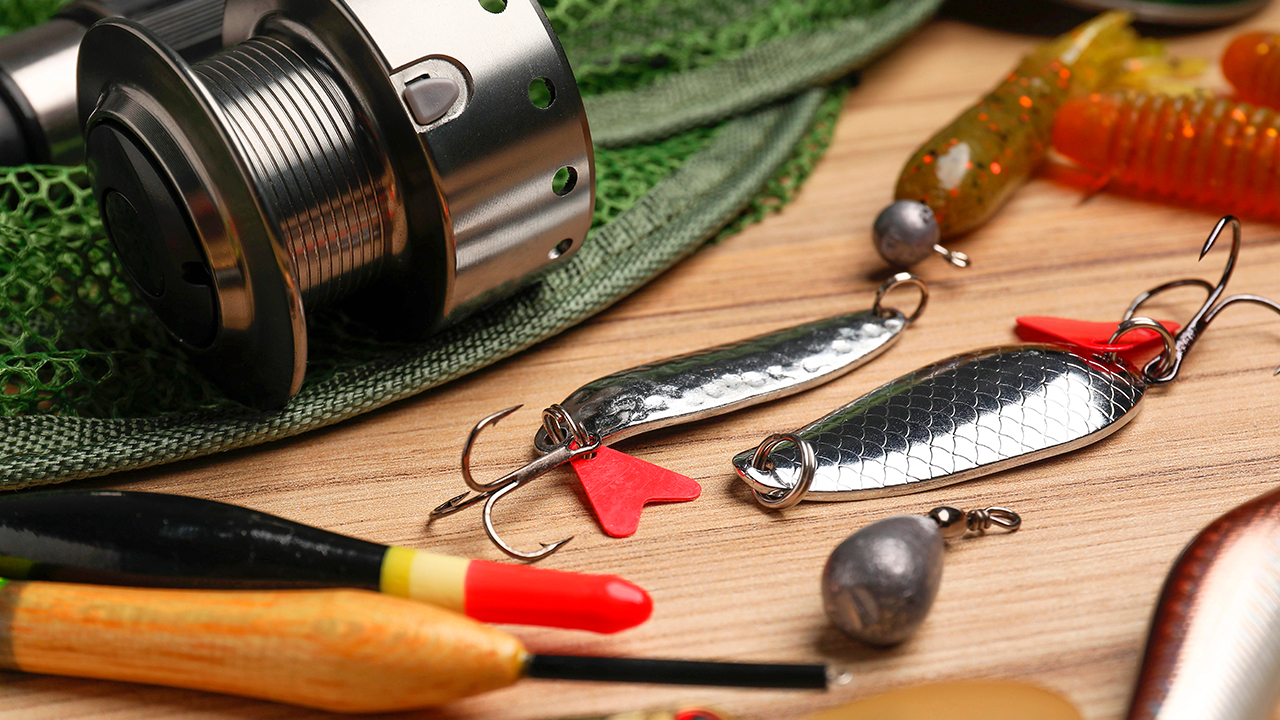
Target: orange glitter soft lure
point(961, 176)
point(1210, 152)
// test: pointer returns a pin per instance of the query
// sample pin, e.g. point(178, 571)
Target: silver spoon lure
point(688, 388)
point(977, 413)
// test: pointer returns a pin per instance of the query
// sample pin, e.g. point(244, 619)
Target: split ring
point(1156, 369)
point(790, 497)
point(559, 425)
point(902, 278)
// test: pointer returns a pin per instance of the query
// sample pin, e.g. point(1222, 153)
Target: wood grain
point(1063, 603)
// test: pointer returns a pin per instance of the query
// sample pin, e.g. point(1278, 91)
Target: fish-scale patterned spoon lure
point(977, 413)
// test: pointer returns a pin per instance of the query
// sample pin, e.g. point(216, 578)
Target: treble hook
point(1170, 362)
point(563, 452)
point(487, 514)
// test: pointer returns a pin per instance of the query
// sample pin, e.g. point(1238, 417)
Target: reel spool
point(416, 160)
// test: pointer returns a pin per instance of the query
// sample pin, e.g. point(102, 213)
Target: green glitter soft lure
point(963, 174)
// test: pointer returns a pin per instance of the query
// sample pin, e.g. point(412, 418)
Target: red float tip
point(524, 595)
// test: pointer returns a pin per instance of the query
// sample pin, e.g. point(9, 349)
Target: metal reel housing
point(416, 160)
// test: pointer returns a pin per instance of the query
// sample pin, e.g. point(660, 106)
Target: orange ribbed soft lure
point(1252, 65)
point(1204, 151)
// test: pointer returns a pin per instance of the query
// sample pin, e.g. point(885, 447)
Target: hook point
point(1217, 230)
point(547, 549)
point(494, 418)
point(448, 507)
point(552, 547)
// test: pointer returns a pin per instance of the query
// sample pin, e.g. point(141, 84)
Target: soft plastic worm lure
point(977, 413)
point(689, 388)
point(1195, 150)
point(963, 174)
point(1252, 65)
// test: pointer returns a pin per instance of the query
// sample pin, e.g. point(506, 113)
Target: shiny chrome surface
point(492, 156)
point(189, 26)
point(1213, 652)
point(260, 312)
point(955, 420)
point(330, 195)
point(692, 387)
point(40, 63)
point(722, 379)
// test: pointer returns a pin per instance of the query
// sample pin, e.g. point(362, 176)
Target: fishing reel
point(38, 118)
point(414, 160)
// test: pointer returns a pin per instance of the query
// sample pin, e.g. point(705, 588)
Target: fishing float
point(336, 650)
point(113, 537)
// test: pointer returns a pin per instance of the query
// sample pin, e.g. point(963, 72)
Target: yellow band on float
point(437, 579)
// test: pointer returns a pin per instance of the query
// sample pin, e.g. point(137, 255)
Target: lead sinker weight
point(414, 160)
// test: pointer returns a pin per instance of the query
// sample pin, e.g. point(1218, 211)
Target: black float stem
point(677, 672)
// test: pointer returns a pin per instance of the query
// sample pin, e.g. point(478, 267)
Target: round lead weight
point(906, 232)
point(879, 584)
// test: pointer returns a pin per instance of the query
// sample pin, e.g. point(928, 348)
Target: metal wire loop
point(1144, 297)
point(902, 278)
point(1164, 361)
point(790, 497)
point(559, 424)
point(982, 520)
point(954, 257)
point(487, 518)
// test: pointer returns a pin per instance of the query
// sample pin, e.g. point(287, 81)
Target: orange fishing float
point(337, 650)
point(1196, 150)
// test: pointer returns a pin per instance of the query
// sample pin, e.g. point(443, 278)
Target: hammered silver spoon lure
point(977, 413)
point(689, 388)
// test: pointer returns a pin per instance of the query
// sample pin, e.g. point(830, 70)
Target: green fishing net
point(707, 115)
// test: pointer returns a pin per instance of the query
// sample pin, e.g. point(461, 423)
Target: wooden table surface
point(1064, 603)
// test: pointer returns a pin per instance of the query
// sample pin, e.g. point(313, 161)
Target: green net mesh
point(18, 14)
point(617, 45)
point(75, 342)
